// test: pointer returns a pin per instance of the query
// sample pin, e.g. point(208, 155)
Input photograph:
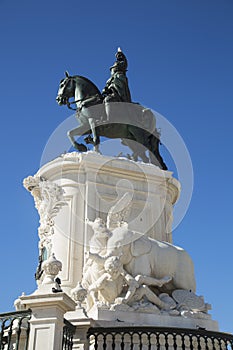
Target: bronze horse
point(132, 123)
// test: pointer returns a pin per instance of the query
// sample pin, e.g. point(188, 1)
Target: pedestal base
point(107, 318)
point(75, 187)
point(46, 324)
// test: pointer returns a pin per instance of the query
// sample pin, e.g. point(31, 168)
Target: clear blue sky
point(180, 64)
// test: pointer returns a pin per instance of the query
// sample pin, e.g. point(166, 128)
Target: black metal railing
point(68, 334)
point(15, 329)
point(158, 338)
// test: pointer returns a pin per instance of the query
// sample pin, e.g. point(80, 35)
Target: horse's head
point(66, 90)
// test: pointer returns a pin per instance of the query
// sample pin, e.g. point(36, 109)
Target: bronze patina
point(111, 113)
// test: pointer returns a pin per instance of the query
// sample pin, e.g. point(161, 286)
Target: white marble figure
point(93, 270)
point(141, 255)
point(141, 261)
point(110, 285)
point(129, 271)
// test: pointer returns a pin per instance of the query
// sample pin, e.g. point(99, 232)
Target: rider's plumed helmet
point(121, 63)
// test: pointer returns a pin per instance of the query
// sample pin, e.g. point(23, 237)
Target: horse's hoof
point(80, 147)
point(97, 150)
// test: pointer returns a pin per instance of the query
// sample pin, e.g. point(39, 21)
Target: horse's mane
point(88, 81)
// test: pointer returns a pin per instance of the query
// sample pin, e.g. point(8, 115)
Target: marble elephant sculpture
point(141, 255)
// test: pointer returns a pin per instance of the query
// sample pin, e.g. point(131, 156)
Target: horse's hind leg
point(138, 150)
point(155, 156)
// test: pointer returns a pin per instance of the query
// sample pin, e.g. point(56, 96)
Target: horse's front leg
point(96, 139)
point(79, 146)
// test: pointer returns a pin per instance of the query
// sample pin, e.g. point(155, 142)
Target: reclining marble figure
point(144, 264)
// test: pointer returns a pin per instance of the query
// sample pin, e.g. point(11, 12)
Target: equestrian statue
point(111, 114)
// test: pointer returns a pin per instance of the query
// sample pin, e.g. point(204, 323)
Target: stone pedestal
point(79, 319)
point(91, 185)
point(108, 318)
point(75, 188)
point(46, 324)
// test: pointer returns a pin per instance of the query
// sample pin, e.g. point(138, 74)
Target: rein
point(73, 102)
point(76, 101)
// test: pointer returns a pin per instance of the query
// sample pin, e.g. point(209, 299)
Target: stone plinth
point(91, 184)
point(108, 318)
point(73, 190)
point(46, 324)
